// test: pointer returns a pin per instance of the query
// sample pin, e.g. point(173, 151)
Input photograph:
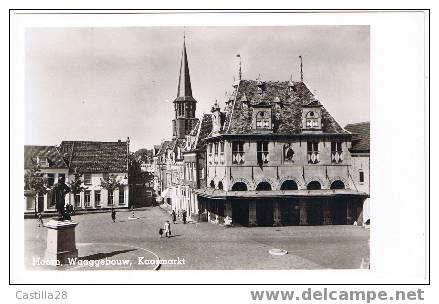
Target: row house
point(94, 160)
point(173, 168)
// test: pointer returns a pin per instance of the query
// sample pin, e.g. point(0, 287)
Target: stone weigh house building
point(94, 160)
point(273, 156)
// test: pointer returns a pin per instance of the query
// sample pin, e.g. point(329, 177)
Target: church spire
point(184, 105)
point(184, 81)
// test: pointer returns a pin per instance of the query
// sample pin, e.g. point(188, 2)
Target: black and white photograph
point(214, 147)
point(199, 148)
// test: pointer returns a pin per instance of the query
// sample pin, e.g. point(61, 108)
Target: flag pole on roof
point(301, 69)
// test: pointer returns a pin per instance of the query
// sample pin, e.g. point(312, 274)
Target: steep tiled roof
point(95, 156)
point(200, 131)
point(164, 146)
point(205, 129)
point(361, 136)
point(287, 119)
point(50, 152)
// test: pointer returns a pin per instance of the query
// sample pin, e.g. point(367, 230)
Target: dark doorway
point(264, 213)
point(339, 211)
point(288, 185)
point(289, 213)
point(239, 186)
point(315, 212)
point(240, 212)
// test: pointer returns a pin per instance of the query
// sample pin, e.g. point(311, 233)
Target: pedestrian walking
point(167, 229)
point(184, 216)
point(113, 215)
point(173, 216)
point(40, 220)
point(161, 232)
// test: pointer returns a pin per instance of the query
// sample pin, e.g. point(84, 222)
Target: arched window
point(338, 184)
point(314, 185)
point(289, 185)
point(312, 120)
point(262, 120)
point(220, 185)
point(212, 184)
point(263, 186)
point(239, 186)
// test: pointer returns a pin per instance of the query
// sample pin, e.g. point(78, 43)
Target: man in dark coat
point(174, 216)
point(59, 192)
point(184, 216)
point(113, 215)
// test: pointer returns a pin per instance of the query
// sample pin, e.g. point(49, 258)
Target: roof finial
point(301, 69)
point(239, 71)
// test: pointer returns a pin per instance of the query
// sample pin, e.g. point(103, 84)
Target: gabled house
point(51, 166)
point(276, 156)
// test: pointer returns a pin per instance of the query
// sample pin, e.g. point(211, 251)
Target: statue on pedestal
point(59, 192)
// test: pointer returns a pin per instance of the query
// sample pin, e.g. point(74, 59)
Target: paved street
point(203, 245)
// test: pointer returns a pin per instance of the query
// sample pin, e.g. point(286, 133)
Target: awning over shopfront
point(221, 194)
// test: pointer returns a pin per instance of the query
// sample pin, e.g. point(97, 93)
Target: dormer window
point(262, 121)
point(43, 162)
point(262, 118)
point(312, 120)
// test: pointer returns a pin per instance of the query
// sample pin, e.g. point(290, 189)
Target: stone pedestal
point(61, 243)
point(252, 214)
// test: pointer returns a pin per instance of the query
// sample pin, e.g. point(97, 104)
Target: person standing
point(40, 220)
point(173, 216)
point(113, 215)
point(167, 229)
point(184, 216)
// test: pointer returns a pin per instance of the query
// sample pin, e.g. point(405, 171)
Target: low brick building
point(96, 160)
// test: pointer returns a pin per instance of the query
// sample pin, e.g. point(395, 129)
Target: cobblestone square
point(200, 246)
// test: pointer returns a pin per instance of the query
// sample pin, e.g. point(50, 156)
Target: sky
point(105, 84)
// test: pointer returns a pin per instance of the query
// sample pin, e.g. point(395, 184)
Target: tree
point(76, 184)
point(34, 183)
point(111, 183)
point(143, 156)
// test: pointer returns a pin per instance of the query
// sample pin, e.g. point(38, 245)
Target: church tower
point(184, 105)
